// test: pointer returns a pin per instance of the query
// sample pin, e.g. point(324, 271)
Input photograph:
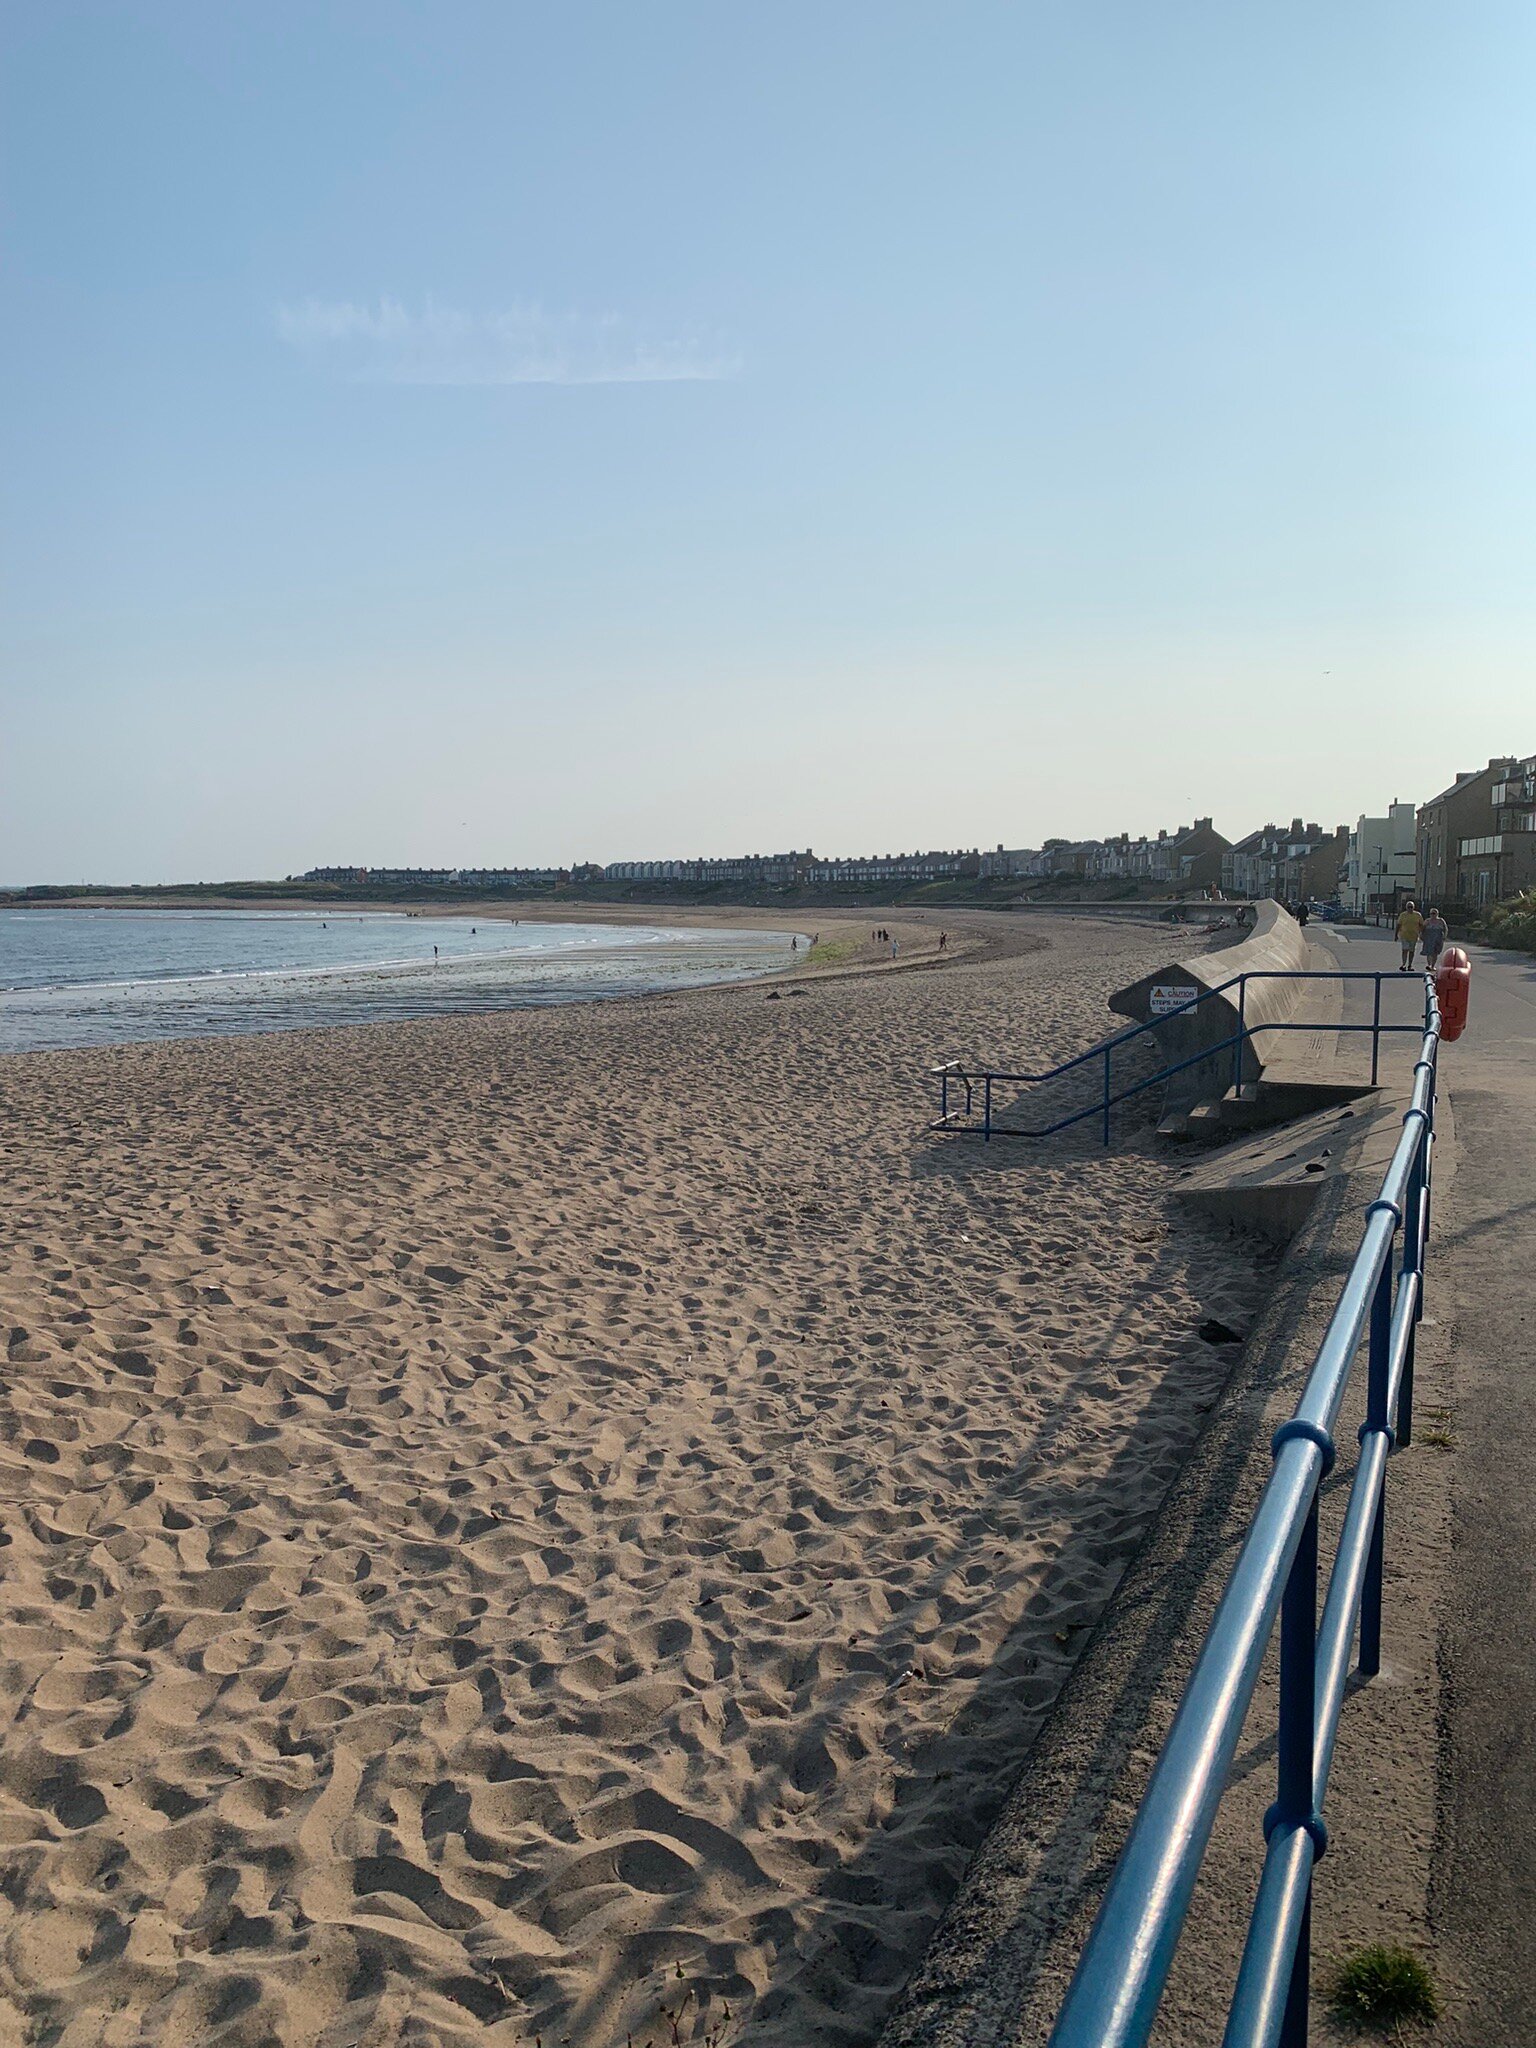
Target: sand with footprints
point(521, 1526)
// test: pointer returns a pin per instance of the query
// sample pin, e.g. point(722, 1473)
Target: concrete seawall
point(1276, 943)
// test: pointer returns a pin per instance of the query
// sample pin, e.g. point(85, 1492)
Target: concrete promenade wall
point(1276, 942)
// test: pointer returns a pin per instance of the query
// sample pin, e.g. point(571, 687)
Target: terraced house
point(1477, 839)
point(1300, 863)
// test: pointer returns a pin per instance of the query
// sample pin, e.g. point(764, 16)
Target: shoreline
point(843, 952)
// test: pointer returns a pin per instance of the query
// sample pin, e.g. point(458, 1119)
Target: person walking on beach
point(1409, 926)
point(1433, 938)
point(943, 941)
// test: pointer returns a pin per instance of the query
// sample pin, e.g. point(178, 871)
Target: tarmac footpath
point(1481, 1278)
point(1483, 1890)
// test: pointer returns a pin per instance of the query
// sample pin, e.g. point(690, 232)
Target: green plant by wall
point(1381, 1987)
point(1512, 923)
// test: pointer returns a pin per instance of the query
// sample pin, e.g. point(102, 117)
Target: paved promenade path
point(1486, 1849)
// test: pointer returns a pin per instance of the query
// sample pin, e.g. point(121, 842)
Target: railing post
point(1237, 1048)
point(1106, 1094)
point(1376, 1031)
point(1293, 2028)
point(1293, 1802)
point(986, 1120)
point(1413, 1264)
point(1376, 1418)
point(1429, 1165)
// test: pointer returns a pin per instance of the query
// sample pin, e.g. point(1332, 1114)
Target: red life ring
point(1453, 990)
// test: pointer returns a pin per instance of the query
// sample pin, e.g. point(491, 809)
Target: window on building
point(1484, 885)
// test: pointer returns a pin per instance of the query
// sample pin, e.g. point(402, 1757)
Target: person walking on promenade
point(1433, 938)
point(1409, 926)
point(1302, 914)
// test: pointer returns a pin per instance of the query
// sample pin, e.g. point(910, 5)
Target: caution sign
point(1167, 995)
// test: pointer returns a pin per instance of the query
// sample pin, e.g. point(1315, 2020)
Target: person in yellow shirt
point(1409, 926)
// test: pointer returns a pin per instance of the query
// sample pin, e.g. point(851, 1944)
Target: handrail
point(1108, 1099)
point(1114, 1994)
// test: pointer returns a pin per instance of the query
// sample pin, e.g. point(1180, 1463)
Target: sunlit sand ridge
point(513, 1522)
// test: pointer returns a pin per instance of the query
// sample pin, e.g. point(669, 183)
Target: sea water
point(103, 976)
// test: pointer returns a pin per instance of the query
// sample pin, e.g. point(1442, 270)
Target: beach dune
point(525, 1525)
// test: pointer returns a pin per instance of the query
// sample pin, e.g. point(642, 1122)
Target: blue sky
point(458, 432)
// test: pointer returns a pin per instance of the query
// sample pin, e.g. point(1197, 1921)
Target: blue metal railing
point(1113, 1998)
point(955, 1074)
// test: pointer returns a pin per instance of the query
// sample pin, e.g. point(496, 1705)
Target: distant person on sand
point(1433, 938)
point(434, 956)
point(794, 945)
point(1409, 926)
point(895, 949)
point(943, 941)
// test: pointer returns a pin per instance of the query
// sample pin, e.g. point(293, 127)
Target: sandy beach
point(520, 1526)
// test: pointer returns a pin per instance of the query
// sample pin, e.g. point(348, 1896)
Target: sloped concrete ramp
point(1271, 1183)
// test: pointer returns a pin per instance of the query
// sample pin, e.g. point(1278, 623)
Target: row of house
point(1188, 858)
point(747, 870)
point(1295, 863)
point(439, 878)
point(796, 870)
point(751, 870)
point(1473, 844)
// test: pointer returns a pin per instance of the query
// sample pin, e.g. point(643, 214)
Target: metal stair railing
point(955, 1074)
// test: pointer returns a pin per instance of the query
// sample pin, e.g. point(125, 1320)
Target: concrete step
point(1269, 1183)
point(1258, 1106)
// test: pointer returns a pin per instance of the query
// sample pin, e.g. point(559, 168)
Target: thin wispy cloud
point(391, 343)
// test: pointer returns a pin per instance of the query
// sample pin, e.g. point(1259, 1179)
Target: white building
point(1379, 870)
